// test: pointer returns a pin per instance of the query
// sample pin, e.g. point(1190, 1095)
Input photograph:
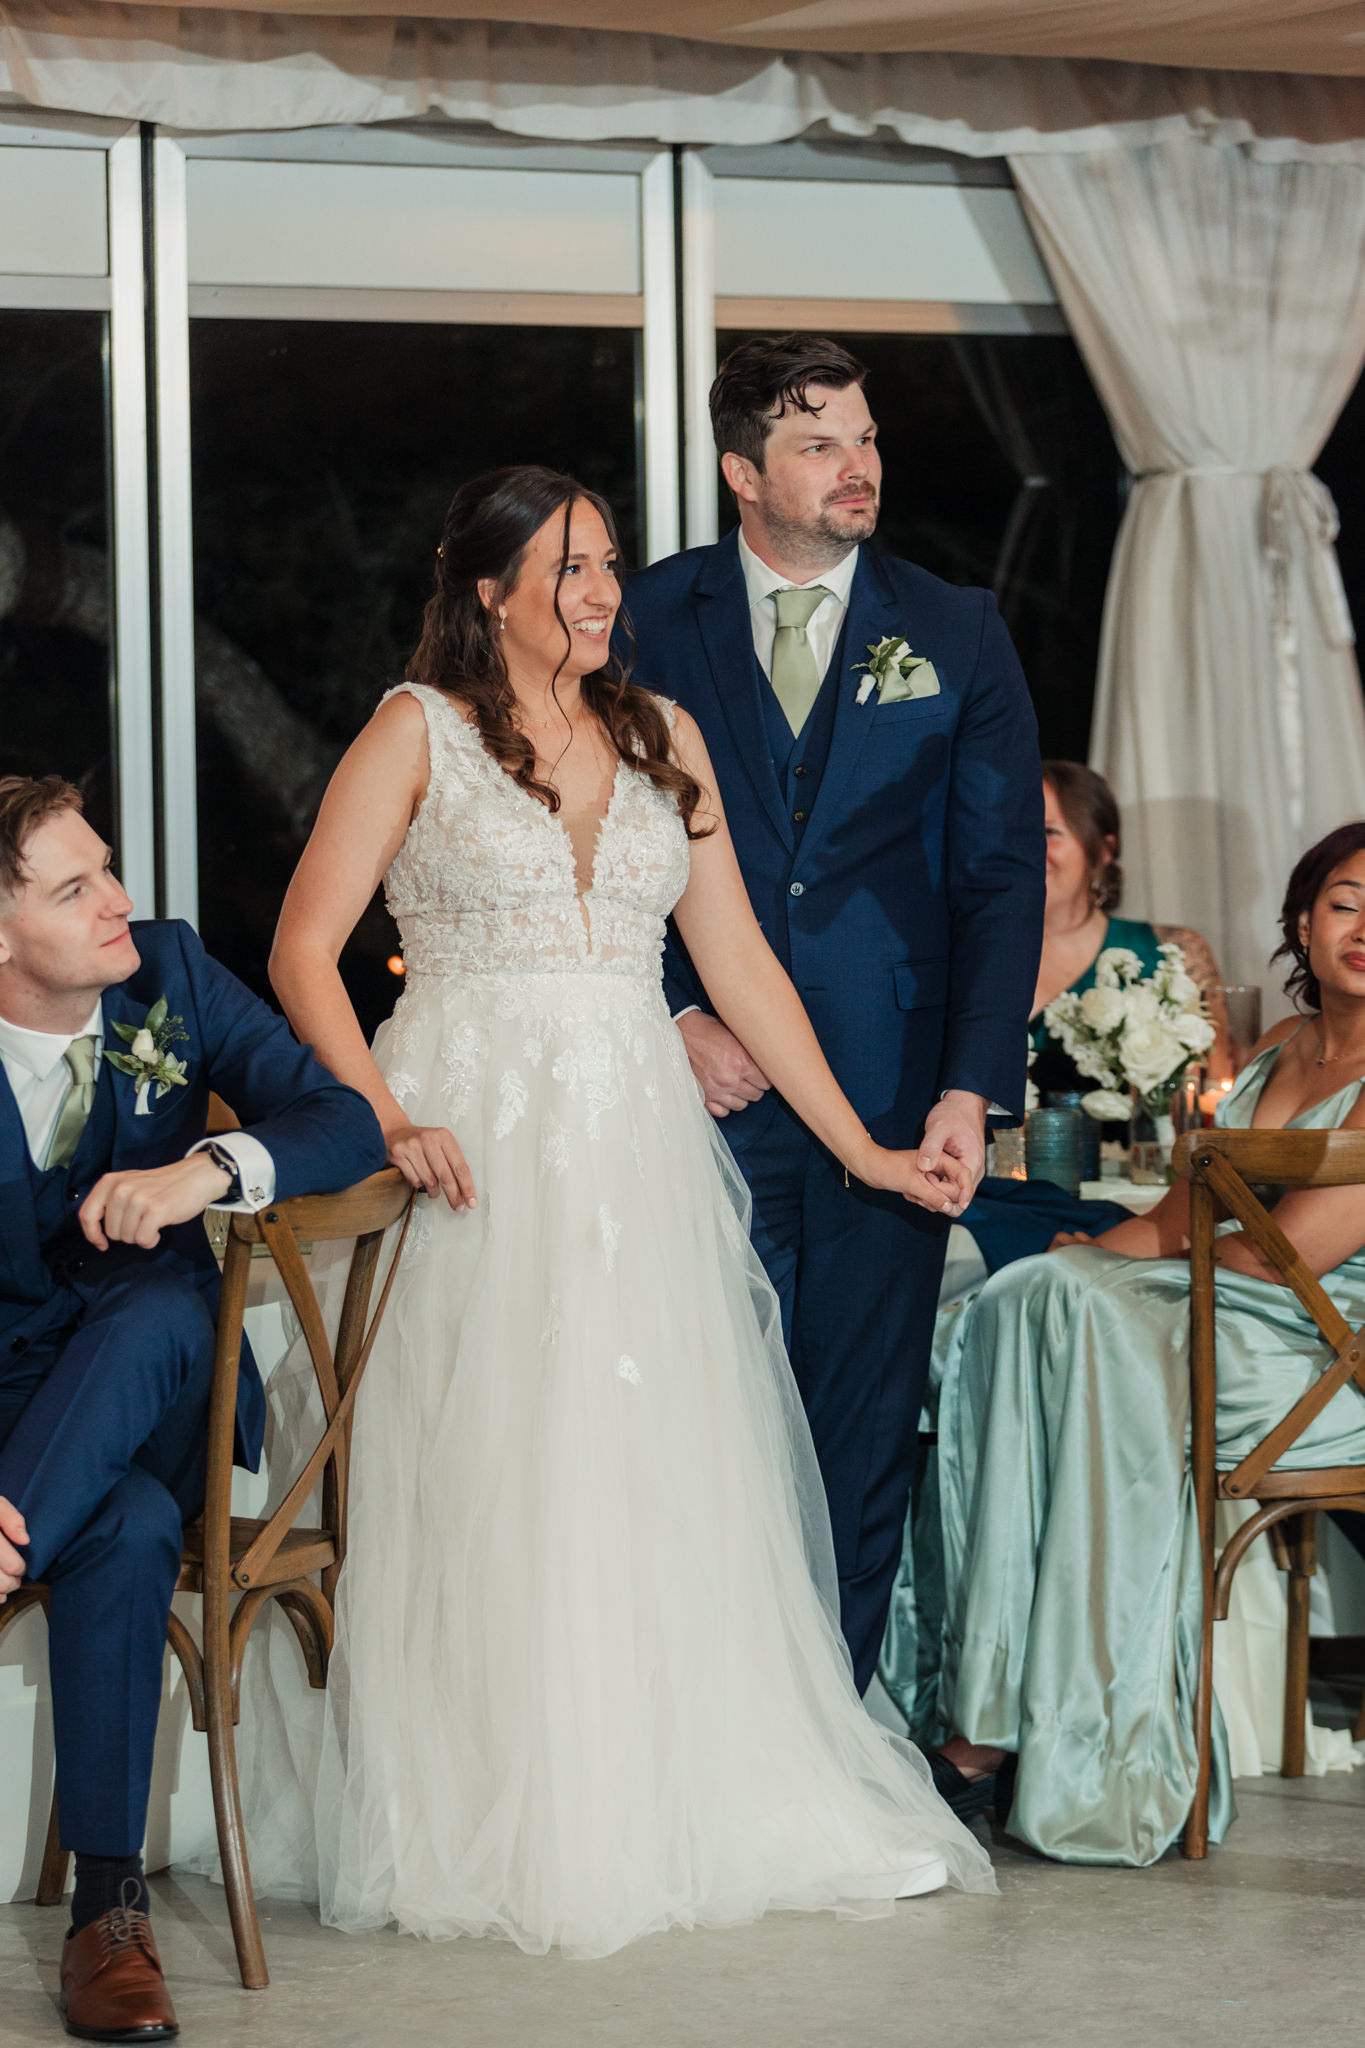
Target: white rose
point(1195, 1033)
point(1106, 1105)
point(1142, 1007)
point(1152, 1055)
point(1103, 1009)
point(144, 1048)
point(1182, 991)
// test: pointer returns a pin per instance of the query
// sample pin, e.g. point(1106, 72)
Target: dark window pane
point(55, 611)
point(1000, 469)
point(1341, 466)
point(325, 456)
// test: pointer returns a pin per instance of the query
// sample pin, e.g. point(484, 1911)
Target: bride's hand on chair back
point(430, 1160)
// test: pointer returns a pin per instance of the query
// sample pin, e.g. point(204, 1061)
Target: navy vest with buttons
point(799, 761)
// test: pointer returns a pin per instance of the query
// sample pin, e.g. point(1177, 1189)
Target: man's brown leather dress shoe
point(112, 1986)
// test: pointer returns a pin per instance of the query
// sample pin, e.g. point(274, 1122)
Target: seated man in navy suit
point(876, 754)
point(111, 1038)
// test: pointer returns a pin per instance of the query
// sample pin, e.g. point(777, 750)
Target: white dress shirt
point(35, 1067)
point(826, 621)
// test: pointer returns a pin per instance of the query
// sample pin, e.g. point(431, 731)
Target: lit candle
point(1210, 1099)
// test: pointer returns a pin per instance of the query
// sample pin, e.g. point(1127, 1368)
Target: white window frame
point(654, 314)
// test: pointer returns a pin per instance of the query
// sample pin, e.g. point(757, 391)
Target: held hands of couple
point(429, 1159)
point(946, 1171)
point(12, 1532)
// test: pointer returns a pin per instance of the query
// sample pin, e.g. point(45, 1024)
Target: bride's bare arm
point(370, 803)
point(754, 996)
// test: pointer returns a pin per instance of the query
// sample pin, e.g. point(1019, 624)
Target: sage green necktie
point(795, 677)
point(80, 1057)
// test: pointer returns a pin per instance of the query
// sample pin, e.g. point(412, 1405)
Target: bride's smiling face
point(589, 597)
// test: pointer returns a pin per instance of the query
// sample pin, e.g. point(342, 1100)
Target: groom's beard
point(833, 530)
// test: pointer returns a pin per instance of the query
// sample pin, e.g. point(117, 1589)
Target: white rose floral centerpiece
point(1134, 1035)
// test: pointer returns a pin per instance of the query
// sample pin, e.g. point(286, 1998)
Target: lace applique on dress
point(487, 880)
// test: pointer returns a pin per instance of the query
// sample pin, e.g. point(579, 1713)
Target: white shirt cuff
point(685, 1011)
point(254, 1165)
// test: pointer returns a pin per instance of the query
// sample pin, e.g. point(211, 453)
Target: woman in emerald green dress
point(1008, 1220)
point(1073, 1595)
point(1084, 888)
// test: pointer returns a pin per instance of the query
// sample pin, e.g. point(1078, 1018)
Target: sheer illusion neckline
point(580, 833)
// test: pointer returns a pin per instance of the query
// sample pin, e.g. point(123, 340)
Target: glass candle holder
point(1053, 1142)
point(1070, 1098)
point(1006, 1161)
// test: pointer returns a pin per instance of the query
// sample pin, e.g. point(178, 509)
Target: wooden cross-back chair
point(1224, 1167)
point(241, 1565)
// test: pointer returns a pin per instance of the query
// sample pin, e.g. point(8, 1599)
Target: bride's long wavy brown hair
point(491, 521)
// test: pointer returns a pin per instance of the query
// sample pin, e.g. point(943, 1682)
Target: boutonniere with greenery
point(896, 674)
point(149, 1059)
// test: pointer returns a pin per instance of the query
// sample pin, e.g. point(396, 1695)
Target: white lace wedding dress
point(587, 1681)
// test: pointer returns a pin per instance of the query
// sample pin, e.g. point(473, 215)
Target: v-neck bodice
point(489, 881)
point(1237, 1111)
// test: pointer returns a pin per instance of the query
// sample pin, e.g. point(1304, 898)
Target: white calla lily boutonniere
point(896, 673)
point(149, 1059)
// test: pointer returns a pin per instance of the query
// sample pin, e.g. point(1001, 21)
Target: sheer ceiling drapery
point(1261, 35)
point(217, 68)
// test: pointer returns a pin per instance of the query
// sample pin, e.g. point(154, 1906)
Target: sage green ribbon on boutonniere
point(896, 673)
point(149, 1058)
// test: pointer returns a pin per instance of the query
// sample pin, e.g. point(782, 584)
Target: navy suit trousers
point(857, 1274)
point(102, 1444)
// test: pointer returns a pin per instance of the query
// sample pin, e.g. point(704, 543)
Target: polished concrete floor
point(1263, 1943)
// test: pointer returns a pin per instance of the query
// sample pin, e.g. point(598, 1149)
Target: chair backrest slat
point(277, 1230)
point(1223, 1161)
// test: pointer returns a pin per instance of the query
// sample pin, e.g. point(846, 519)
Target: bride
point(587, 1681)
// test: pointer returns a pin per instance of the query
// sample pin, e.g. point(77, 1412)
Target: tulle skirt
point(588, 1680)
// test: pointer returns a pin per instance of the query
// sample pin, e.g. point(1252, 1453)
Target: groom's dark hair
point(768, 376)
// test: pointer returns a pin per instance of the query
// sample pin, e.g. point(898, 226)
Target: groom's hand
point(134, 1208)
point(12, 1531)
point(729, 1078)
point(953, 1150)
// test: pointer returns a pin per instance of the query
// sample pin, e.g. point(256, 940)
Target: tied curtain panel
point(1219, 302)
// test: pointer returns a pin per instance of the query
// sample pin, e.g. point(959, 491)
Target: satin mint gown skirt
point(1073, 1594)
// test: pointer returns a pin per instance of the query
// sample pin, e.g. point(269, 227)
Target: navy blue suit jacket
point(322, 1136)
point(909, 915)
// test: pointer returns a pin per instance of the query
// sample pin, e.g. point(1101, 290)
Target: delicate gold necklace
point(1333, 1059)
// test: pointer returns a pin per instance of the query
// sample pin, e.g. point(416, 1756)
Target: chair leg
point(227, 1802)
point(52, 1875)
point(1194, 1843)
point(1301, 1534)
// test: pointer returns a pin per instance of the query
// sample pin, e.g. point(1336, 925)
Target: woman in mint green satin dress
point(1071, 1631)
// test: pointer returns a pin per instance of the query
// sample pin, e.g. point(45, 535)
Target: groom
point(889, 827)
point(107, 1296)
